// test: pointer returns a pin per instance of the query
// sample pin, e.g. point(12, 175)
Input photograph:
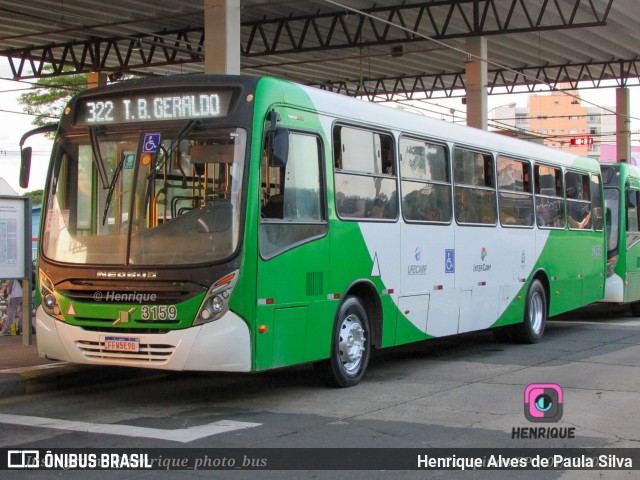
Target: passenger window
point(549, 198)
point(292, 207)
point(365, 178)
point(475, 192)
point(514, 192)
point(632, 210)
point(426, 184)
point(578, 200)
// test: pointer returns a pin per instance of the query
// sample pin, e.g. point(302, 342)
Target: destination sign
point(154, 107)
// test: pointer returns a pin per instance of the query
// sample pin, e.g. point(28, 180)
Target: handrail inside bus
point(160, 161)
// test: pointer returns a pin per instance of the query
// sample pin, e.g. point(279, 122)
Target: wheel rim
point(536, 313)
point(351, 344)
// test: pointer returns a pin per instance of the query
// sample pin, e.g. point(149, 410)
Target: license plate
point(121, 344)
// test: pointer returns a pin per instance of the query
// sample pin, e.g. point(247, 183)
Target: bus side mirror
point(25, 153)
point(279, 148)
point(25, 166)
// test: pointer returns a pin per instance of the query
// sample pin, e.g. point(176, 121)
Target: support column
point(96, 79)
point(476, 80)
point(222, 36)
point(623, 124)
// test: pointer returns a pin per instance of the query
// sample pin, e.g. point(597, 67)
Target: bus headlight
point(216, 302)
point(49, 299)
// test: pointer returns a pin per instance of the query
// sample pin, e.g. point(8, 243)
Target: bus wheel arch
point(366, 292)
point(356, 326)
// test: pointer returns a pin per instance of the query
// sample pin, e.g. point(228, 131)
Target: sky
point(14, 123)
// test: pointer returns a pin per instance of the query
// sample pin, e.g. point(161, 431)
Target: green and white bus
point(622, 200)
point(236, 223)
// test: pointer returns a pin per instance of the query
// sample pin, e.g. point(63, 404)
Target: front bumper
point(222, 345)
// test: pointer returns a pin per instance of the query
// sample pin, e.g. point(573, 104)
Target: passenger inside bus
point(424, 205)
point(579, 213)
point(549, 211)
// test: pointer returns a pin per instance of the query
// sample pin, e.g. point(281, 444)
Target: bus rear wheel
point(350, 346)
point(531, 329)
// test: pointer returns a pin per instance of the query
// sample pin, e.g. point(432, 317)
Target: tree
point(50, 95)
point(47, 99)
point(35, 195)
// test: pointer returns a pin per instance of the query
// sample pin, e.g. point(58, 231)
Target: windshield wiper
point(97, 156)
point(112, 187)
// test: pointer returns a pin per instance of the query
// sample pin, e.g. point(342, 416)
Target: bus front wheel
point(350, 346)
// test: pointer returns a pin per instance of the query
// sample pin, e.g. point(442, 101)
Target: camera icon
point(543, 402)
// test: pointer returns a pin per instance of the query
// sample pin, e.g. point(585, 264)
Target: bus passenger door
point(428, 269)
point(428, 255)
point(483, 267)
point(595, 278)
point(294, 256)
point(632, 290)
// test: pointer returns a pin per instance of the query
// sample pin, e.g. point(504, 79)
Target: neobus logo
point(103, 274)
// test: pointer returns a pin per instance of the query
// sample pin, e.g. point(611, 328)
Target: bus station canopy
point(378, 50)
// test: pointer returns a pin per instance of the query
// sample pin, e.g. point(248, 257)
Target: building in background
point(5, 188)
point(609, 153)
point(556, 118)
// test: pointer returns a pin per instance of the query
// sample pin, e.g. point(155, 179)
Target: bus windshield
point(172, 196)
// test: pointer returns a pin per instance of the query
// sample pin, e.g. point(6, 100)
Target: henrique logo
point(543, 402)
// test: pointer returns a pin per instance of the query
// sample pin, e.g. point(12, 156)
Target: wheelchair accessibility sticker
point(151, 143)
point(449, 261)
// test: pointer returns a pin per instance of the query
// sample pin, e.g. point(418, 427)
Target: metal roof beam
point(438, 19)
point(111, 54)
point(519, 80)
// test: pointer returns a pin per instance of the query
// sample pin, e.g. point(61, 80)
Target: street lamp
point(506, 105)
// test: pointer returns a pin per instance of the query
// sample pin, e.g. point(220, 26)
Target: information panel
point(15, 235)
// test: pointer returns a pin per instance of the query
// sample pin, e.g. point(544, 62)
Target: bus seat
point(274, 208)
point(547, 185)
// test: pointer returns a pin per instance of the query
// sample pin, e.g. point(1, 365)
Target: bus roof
point(364, 112)
point(367, 113)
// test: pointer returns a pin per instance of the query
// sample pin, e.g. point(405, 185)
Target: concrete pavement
point(22, 371)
